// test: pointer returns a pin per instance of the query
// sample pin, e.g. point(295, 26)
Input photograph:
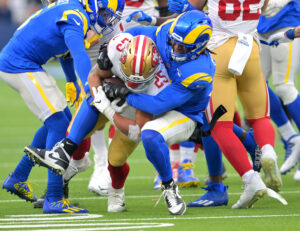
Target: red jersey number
point(236, 9)
point(120, 46)
point(160, 79)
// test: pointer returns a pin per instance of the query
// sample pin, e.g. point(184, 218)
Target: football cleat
point(116, 200)
point(62, 206)
point(157, 181)
point(21, 189)
point(297, 174)
point(100, 180)
point(216, 195)
point(292, 154)
point(269, 165)
point(174, 201)
point(57, 159)
point(186, 177)
point(40, 202)
point(254, 190)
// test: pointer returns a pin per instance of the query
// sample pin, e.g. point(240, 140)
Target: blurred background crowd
point(12, 14)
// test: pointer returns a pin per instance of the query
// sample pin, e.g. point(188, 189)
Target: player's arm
point(272, 7)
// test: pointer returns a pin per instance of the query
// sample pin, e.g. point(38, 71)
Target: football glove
point(142, 18)
point(119, 105)
point(73, 93)
point(103, 60)
point(179, 6)
point(282, 37)
point(102, 103)
point(113, 91)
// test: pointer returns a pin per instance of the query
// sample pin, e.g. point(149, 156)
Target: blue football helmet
point(192, 30)
point(103, 14)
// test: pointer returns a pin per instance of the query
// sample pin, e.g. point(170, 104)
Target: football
point(116, 80)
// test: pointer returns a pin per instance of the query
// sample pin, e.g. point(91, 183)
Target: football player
point(282, 62)
point(51, 32)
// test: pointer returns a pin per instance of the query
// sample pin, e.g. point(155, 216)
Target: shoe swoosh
point(54, 158)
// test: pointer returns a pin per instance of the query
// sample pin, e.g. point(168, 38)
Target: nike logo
point(53, 157)
point(77, 23)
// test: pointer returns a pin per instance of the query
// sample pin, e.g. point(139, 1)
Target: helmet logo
point(155, 57)
point(177, 37)
point(123, 56)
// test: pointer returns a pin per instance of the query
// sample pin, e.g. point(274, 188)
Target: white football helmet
point(139, 63)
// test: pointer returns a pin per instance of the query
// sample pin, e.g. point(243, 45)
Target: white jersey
point(232, 17)
point(115, 49)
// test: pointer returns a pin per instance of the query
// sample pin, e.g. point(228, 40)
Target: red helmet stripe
point(142, 55)
point(135, 55)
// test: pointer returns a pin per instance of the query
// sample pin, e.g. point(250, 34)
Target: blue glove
point(142, 18)
point(180, 6)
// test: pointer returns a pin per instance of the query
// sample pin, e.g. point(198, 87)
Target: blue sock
point(157, 152)
point(68, 113)
point(24, 167)
point(57, 125)
point(276, 111)
point(212, 152)
point(84, 122)
point(187, 144)
point(293, 109)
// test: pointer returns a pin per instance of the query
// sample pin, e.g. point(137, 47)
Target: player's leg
point(119, 150)
point(254, 97)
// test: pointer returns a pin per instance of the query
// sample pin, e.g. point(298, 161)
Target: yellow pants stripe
point(286, 79)
point(38, 86)
point(181, 121)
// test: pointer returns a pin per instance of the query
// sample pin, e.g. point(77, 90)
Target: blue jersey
point(288, 16)
point(49, 33)
point(191, 85)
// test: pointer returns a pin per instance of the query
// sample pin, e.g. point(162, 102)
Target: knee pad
point(287, 92)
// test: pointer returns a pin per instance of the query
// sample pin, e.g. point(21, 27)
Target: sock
point(231, 146)
point(175, 154)
point(264, 132)
point(54, 187)
point(118, 175)
point(293, 109)
point(187, 151)
point(83, 148)
point(276, 111)
point(237, 119)
point(83, 122)
point(99, 146)
point(287, 130)
point(157, 152)
point(24, 167)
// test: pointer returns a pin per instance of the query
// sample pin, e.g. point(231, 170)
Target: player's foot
point(269, 165)
point(76, 166)
point(57, 159)
point(116, 200)
point(100, 180)
point(157, 182)
point(21, 189)
point(216, 195)
point(174, 201)
point(297, 174)
point(186, 176)
point(40, 202)
point(224, 175)
point(61, 206)
point(292, 154)
point(254, 190)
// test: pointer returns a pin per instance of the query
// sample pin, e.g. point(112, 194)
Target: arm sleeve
point(67, 65)
point(75, 42)
point(161, 102)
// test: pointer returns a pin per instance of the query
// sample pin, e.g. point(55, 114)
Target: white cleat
point(297, 174)
point(254, 190)
point(270, 167)
point(293, 153)
point(76, 166)
point(116, 200)
point(100, 181)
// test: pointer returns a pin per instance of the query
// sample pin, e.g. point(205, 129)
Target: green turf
point(17, 127)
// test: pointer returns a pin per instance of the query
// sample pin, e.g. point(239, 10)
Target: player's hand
point(282, 37)
point(119, 105)
point(179, 6)
point(73, 93)
point(142, 18)
point(101, 102)
point(113, 91)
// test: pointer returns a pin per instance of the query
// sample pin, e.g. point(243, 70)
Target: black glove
point(113, 91)
point(103, 60)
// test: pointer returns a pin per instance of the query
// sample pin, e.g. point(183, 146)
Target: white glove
point(279, 37)
point(116, 107)
point(102, 103)
point(274, 6)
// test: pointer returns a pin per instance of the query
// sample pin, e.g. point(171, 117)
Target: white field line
point(143, 196)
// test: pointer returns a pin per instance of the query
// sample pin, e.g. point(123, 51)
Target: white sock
point(174, 156)
point(286, 131)
point(99, 146)
point(187, 153)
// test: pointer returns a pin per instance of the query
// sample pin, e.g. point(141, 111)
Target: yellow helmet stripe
point(166, 22)
point(195, 33)
point(113, 4)
point(173, 25)
point(196, 77)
